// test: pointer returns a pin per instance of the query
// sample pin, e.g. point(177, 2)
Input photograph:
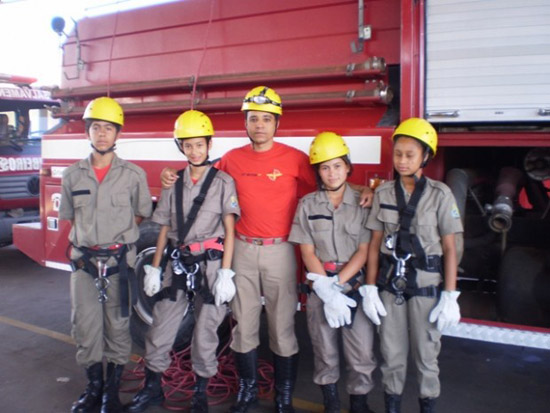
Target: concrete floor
point(38, 372)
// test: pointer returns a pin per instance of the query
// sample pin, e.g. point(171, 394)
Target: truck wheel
point(519, 279)
point(142, 316)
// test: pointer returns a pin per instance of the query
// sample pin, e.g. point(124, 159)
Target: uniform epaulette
point(132, 166)
point(311, 195)
point(385, 186)
point(443, 187)
point(71, 168)
point(225, 177)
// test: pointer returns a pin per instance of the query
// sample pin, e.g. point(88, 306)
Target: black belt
point(430, 263)
point(127, 274)
point(181, 280)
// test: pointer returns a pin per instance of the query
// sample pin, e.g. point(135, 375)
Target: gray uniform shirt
point(335, 233)
point(104, 213)
point(220, 200)
point(436, 215)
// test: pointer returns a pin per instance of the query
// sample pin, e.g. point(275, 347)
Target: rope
point(111, 52)
point(178, 380)
point(195, 80)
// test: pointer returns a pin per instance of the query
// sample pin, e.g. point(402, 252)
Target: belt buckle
point(257, 241)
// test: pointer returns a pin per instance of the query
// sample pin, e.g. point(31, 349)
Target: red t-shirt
point(268, 186)
point(101, 172)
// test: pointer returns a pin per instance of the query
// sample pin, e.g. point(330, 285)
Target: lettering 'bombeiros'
point(20, 164)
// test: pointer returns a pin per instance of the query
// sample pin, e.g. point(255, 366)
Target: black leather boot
point(199, 402)
point(427, 405)
point(94, 390)
point(331, 399)
point(392, 402)
point(358, 404)
point(286, 369)
point(151, 393)
point(247, 366)
point(111, 402)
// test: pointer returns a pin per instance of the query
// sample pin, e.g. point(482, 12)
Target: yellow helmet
point(419, 129)
point(193, 124)
point(106, 109)
point(264, 99)
point(327, 146)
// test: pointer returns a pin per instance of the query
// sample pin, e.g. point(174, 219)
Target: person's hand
point(367, 195)
point(168, 177)
point(447, 311)
point(337, 311)
point(224, 288)
point(324, 286)
point(372, 305)
point(151, 281)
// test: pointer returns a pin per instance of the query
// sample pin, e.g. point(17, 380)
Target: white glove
point(372, 305)
point(447, 311)
point(337, 311)
point(224, 287)
point(151, 281)
point(324, 286)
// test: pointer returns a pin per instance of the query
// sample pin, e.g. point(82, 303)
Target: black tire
point(520, 275)
point(142, 315)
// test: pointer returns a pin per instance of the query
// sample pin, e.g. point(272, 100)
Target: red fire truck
point(477, 70)
point(20, 150)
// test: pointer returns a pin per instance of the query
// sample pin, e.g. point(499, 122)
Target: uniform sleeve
point(230, 201)
point(448, 215)
point(306, 177)
point(66, 210)
point(365, 234)
point(163, 210)
point(222, 164)
point(141, 202)
point(373, 223)
point(300, 232)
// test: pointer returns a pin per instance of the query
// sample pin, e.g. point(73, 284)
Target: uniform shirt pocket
point(83, 208)
point(120, 199)
point(320, 223)
point(208, 219)
point(390, 219)
point(426, 228)
point(353, 229)
point(81, 198)
point(121, 217)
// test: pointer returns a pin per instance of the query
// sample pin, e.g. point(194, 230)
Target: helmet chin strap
point(203, 163)
point(335, 189)
point(111, 149)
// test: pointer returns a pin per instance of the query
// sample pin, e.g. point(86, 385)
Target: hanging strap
point(408, 243)
point(183, 228)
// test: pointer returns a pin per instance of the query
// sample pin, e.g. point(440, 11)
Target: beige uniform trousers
point(167, 316)
point(270, 271)
point(356, 343)
point(98, 329)
point(405, 325)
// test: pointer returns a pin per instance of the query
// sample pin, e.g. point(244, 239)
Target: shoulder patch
point(455, 213)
